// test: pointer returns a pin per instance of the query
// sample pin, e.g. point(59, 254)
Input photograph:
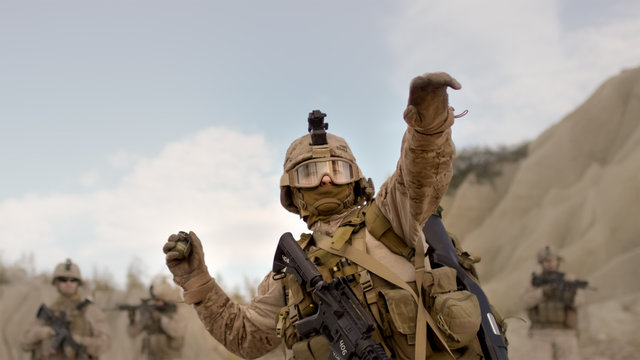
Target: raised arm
point(414, 190)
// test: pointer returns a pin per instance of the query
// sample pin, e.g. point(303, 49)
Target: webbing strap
point(353, 222)
point(421, 326)
point(370, 263)
point(340, 237)
point(380, 227)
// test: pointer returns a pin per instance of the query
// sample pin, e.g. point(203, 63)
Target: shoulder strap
point(380, 227)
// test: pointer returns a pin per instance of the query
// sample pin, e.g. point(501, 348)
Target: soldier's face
point(551, 264)
point(67, 286)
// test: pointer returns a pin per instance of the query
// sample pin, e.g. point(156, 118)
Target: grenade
point(183, 245)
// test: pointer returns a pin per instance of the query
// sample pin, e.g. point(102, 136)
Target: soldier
point(324, 186)
point(163, 322)
point(71, 327)
point(551, 301)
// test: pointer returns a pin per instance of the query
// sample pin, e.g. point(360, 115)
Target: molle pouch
point(315, 348)
point(399, 316)
point(301, 305)
point(300, 298)
point(284, 328)
point(552, 314)
point(444, 280)
point(458, 316)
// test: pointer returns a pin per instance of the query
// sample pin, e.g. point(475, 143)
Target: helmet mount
point(317, 127)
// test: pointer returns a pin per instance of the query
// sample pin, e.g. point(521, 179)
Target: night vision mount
point(317, 127)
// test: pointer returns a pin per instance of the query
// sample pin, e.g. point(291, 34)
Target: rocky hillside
point(579, 190)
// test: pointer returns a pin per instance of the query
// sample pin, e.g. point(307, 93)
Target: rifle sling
point(370, 263)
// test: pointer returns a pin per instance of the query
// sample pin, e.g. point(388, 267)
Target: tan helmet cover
point(67, 269)
point(301, 150)
point(548, 253)
point(162, 289)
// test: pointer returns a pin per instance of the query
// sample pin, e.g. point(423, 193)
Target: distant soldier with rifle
point(69, 328)
point(360, 285)
point(551, 300)
point(161, 320)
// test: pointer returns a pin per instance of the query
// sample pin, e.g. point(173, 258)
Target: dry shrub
point(484, 162)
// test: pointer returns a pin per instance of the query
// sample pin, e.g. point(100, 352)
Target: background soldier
point(71, 327)
point(162, 320)
point(323, 184)
point(551, 300)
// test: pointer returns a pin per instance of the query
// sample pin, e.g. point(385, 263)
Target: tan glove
point(189, 272)
point(428, 107)
point(42, 332)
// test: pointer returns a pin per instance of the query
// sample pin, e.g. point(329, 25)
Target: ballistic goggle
point(310, 173)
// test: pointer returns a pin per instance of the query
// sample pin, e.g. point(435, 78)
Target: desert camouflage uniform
point(407, 199)
point(557, 339)
point(164, 333)
point(87, 325)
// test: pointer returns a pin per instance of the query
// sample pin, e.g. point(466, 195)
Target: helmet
point(547, 253)
point(162, 289)
point(331, 159)
point(67, 269)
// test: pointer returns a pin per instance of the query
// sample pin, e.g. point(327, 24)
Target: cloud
point(522, 69)
point(221, 184)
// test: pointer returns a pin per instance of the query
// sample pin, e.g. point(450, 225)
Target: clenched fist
point(188, 267)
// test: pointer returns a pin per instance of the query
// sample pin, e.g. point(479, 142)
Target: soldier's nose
point(326, 180)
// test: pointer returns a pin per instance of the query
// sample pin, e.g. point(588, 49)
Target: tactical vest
point(156, 343)
point(78, 325)
point(393, 308)
point(553, 313)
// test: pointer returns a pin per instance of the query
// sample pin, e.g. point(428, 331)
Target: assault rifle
point(565, 289)
point(60, 325)
point(441, 251)
point(145, 308)
point(339, 315)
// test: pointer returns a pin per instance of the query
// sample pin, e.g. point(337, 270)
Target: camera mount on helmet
point(317, 127)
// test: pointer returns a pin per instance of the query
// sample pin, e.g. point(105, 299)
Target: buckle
point(365, 280)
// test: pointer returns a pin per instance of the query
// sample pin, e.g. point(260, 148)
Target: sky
point(123, 122)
